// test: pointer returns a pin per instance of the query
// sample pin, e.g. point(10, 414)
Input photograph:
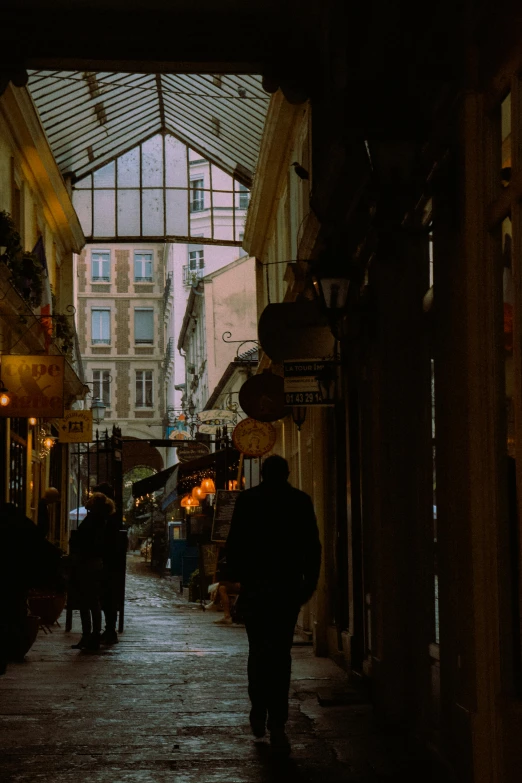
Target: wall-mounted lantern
point(98, 409)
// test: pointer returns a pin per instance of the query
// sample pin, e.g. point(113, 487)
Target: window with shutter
point(100, 326)
point(143, 326)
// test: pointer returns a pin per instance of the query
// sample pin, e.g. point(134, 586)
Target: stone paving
point(169, 703)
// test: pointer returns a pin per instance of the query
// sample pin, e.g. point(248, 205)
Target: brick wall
point(123, 390)
point(122, 326)
point(122, 271)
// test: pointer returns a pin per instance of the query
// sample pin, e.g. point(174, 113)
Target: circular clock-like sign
point(254, 438)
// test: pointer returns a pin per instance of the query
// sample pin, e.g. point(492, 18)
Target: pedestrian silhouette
point(87, 549)
point(273, 550)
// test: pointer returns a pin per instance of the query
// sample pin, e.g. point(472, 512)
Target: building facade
point(36, 213)
point(220, 309)
point(120, 299)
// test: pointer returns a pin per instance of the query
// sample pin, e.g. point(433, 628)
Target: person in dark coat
point(273, 550)
point(87, 548)
point(113, 569)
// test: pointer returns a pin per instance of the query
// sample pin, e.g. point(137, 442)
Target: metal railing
point(191, 276)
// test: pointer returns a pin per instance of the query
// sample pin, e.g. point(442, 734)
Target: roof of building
point(92, 118)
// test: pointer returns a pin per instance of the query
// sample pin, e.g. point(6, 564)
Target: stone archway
point(139, 453)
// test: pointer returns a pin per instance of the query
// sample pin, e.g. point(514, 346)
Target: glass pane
point(83, 206)
point(128, 213)
point(175, 163)
point(129, 169)
point(152, 162)
point(152, 210)
point(177, 215)
point(220, 180)
point(223, 200)
point(105, 177)
point(223, 207)
point(104, 215)
point(505, 120)
point(86, 182)
point(240, 228)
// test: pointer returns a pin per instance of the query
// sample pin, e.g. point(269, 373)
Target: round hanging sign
point(254, 438)
point(262, 397)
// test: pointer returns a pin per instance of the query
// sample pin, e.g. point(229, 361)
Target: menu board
point(223, 510)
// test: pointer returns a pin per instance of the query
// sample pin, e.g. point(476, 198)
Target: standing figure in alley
point(87, 549)
point(113, 569)
point(273, 550)
point(51, 495)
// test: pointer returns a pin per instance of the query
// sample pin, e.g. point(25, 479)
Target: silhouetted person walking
point(87, 548)
point(273, 550)
point(113, 570)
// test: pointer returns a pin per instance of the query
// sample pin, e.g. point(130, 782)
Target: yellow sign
point(75, 427)
point(34, 385)
point(254, 438)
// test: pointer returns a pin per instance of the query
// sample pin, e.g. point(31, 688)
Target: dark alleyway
point(169, 703)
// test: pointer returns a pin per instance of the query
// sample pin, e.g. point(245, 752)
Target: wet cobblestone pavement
point(169, 703)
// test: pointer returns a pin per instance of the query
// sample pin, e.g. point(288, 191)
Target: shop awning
point(152, 483)
point(222, 464)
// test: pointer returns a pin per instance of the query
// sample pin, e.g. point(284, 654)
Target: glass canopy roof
point(93, 118)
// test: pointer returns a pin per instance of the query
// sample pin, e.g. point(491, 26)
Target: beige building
point(36, 211)
point(120, 314)
point(223, 302)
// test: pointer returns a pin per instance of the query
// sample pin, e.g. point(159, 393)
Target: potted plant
point(27, 272)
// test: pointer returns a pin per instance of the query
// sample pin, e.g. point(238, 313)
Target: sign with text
point(35, 386)
point(75, 427)
point(223, 510)
point(188, 451)
point(309, 382)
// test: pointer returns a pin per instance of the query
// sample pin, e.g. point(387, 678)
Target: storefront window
point(18, 462)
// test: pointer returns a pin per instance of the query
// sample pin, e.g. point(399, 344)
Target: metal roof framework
point(92, 118)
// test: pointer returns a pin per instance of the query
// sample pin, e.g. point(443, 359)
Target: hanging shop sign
point(309, 382)
point(188, 451)
point(223, 510)
point(262, 397)
point(35, 385)
point(295, 330)
point(179, 430)
point(254, 438)
point(75, 427)
point(179, 435)
point(217, 416)
point(209, 429)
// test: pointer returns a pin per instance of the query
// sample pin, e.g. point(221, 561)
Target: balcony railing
point(191, 276)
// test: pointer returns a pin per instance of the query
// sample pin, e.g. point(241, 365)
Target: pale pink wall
point(230, 305)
